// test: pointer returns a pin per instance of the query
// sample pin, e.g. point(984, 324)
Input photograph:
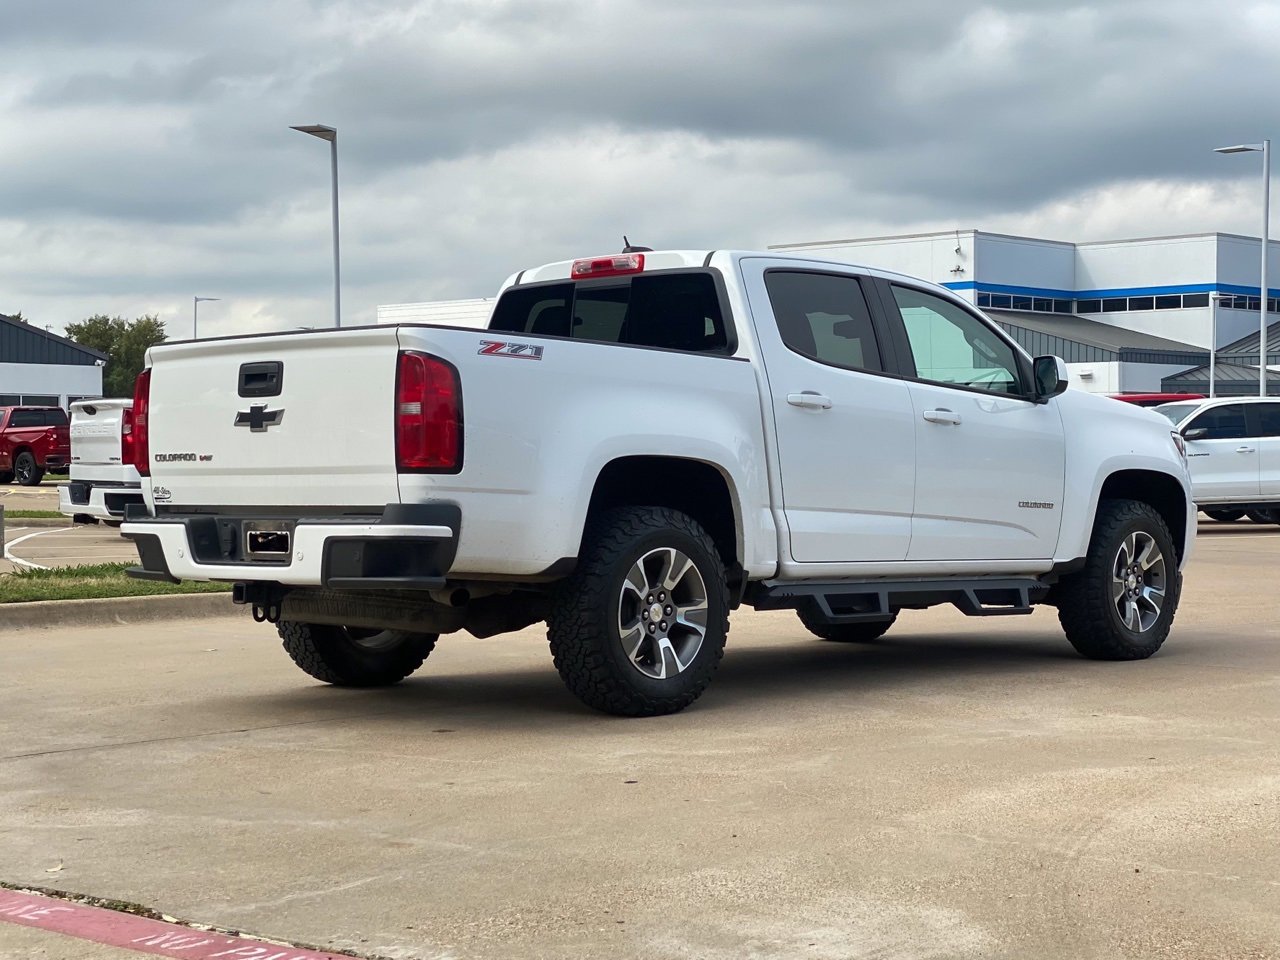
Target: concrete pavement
point(965, 788)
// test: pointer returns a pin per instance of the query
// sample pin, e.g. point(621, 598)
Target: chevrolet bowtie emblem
point(257, 418)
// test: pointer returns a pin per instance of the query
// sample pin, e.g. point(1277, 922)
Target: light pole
point(331, 134)
point(195, 314)
point(1215, 301)
point(1265, 148)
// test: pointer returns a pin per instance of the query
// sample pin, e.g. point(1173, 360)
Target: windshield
point(1177, 412)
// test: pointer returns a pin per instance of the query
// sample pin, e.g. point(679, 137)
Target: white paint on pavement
point(31, 565)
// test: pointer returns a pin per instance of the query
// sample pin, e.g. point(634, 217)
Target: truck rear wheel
point(844, 632)
point(1261, 516)
point(1224, 516)
point(1121, 605)
point(640, 627)
point(26, 471)
point(354, 657)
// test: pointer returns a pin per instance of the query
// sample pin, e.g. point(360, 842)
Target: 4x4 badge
point(257, 418)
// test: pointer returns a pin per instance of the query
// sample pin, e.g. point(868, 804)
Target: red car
point(33, 441)
point(1155, 399)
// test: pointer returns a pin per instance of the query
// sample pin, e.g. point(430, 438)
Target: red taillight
point(428, 415)
point(611, 266)
point(135, 440)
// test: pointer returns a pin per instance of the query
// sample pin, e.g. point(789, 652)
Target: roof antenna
point(628, 248)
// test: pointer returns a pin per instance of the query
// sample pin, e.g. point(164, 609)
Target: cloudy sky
point(145, 155)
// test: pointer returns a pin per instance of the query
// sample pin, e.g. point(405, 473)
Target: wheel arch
point(1163, 492)
point(696, 488)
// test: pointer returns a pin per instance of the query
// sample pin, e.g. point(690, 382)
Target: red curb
point(130, 932)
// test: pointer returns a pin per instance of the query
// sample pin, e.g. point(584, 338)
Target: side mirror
point(1051, 377)
point(1195, 433)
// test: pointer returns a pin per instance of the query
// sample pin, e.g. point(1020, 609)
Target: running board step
point(838, 602)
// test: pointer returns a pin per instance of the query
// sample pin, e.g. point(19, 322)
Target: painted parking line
point(8, 548)
point(141, 934)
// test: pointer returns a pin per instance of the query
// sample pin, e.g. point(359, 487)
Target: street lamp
point(330, 134)
point(195, 314)
point(1216, 301)
point(1265, 149)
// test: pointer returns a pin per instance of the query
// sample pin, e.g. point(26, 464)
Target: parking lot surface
point(964, 788)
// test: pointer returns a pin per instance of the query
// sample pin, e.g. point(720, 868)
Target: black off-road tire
point(1224, 516)
point(1086, 608)
point(336, 654)
point(26, 470)
point(864, 632)
point(584, 630)
point(1261, 516)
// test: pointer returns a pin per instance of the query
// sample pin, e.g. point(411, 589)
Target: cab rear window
point(673, 311)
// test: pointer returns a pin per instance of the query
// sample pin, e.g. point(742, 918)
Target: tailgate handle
point(262, 379)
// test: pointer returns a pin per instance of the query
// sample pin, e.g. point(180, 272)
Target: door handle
point(809, 400)
point(942, 415)
point(1244, 449)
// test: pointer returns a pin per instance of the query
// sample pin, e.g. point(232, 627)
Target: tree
point(125, 343)
point(17, 316)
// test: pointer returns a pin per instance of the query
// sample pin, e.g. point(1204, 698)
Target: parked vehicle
point(1233, 450)
point(1155, 399)
point(637, 445)
point(33, 441)
point(102, 484)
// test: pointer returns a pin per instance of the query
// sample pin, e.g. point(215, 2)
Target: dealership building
point(41, 369)
point(1127, 315)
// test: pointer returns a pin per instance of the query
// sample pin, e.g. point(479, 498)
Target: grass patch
point(34, 515)
point(90, 582)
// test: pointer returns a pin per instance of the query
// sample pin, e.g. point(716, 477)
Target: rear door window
point(672, 311)
point(27, 418)
point(824, 317)
point(1222, 423)
point(1269, 419)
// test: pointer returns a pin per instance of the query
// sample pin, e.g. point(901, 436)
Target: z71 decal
point(500, 348)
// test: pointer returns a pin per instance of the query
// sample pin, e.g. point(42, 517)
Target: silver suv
point(1233, 450)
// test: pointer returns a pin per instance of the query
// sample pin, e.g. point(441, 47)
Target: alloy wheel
point(662, 613)
point(1138, 581)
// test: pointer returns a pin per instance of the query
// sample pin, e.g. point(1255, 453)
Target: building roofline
point(1171, 236)
point(1013, 236)
point(899, 236)
point(32, 328)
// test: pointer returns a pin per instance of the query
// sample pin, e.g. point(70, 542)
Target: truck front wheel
point(1120, 606)
point(640, 627)
point(354, 657)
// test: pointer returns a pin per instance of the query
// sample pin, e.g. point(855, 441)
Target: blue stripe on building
point(1112, 292)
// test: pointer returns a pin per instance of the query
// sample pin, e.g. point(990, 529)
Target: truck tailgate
point(297, 420)
point(95, 442)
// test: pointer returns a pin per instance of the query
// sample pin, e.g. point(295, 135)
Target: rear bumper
point(411, 547)
point(103, 501)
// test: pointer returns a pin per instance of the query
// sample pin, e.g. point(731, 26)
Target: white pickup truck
point(638, 444)
point(102, 484)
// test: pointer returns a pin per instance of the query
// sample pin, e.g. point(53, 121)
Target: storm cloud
point(145, 155)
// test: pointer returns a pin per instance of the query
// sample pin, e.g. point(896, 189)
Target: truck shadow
point(791, 669)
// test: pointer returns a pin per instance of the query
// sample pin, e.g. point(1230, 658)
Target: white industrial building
point(41, 369)
point(1126, 314)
